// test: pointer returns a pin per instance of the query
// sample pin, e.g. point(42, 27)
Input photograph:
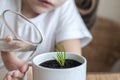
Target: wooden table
point(101, 76)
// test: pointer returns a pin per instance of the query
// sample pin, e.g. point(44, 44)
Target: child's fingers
point(24, 68)
point(9, 39)
point(18, 74)
point(7, 77)
point(14, 75)
point(21, 72)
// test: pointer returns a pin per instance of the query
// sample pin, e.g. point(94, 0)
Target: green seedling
point(61, 55)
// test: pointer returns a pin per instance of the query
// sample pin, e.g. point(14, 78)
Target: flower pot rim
point(67, 53)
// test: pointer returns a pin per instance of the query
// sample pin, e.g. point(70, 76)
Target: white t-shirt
point(57, 25)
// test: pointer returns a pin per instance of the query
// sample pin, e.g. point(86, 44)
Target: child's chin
point(43, 10)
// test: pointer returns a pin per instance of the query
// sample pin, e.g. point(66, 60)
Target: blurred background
point(109, 9)
point(103, 21)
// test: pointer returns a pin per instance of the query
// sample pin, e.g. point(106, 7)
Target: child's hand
point(12, 62)
point(17, 74)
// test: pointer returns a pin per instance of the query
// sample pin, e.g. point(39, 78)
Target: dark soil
point(69, 63)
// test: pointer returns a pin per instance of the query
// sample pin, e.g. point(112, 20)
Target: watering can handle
point(18, 37)
point(3, 15)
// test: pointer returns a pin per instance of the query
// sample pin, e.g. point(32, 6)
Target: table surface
point(103, 76)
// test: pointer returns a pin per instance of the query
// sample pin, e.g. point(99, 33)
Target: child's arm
point(13, 63)
point(72, 45)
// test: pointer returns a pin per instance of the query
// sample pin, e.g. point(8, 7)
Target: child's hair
point(87, 9)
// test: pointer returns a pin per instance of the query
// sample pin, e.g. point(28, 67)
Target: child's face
point(40, 6)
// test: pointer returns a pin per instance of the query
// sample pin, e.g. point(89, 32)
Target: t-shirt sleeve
point(71, 25)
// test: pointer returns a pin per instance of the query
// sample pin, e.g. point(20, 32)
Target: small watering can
point(18, 44)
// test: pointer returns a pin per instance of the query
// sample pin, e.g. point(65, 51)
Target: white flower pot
point(44, 73)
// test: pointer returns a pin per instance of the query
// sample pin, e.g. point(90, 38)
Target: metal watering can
point(19, 44)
